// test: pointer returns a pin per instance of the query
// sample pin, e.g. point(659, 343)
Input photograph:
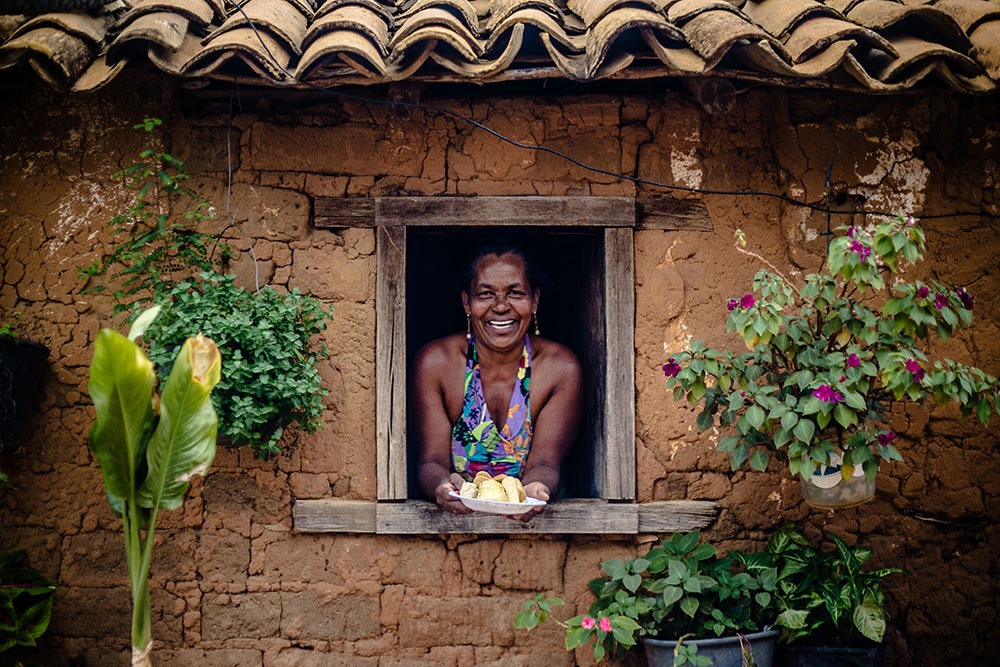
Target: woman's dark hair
point(536, 279)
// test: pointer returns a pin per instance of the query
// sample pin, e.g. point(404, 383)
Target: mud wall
point(233, 584)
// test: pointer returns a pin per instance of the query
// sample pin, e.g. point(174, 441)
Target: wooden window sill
point(574, 515)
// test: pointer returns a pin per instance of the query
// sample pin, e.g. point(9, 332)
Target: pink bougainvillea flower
point(588, 623)
point(910, 222)
point(966, 298)
point(842, 378)
point(923, 291)
point(860, 249)
point(940, 300)
point(671, 368)
point(827, 394)
point(914, 368)
point(605, 624)
point(885, 438)
point(853, 361)
point(747, 301)
point(732, 304)
point(851, 230)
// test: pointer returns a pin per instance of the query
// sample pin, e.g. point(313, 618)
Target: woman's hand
point(533, 490)
point(447, 502)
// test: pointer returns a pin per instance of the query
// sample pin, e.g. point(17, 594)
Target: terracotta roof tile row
point(869, 45)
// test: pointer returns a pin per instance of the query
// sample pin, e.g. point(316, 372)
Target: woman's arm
point(432, 427)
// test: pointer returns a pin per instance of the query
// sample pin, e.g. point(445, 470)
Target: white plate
point(497, 507)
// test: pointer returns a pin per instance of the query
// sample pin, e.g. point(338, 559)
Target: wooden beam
point(390, 362)
point(667, 213)
point(671, 214)
point(584, 516)
point(619, 371)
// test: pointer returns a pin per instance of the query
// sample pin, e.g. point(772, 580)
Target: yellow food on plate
point(514, 489)
point(502, 488)
point(492, 490)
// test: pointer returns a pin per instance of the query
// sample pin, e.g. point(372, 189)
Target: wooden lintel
point(572, 516)
point(651, 213)
point(668, 213)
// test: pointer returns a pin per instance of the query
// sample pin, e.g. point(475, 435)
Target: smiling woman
point(499, 398)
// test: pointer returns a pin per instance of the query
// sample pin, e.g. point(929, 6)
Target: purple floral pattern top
point(476, 442)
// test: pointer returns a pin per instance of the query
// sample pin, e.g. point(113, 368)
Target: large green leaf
point(869, 619)
point(183, 443)
point(121, 386)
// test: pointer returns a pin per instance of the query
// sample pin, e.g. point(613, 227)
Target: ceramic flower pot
point(723, 651)
point(828, 489)
point(822, 656)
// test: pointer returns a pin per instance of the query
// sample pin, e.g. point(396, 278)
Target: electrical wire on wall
point(824, 208)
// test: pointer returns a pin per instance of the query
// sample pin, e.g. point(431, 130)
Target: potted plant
point(22, 369)
point(687, 603)
point(827, 356)
point(149, 445)
point(831, 611)
point(159, 255)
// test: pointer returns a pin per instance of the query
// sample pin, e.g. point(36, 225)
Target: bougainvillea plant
point(829, 356)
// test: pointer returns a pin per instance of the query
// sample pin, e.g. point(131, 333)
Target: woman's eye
point(515, 294)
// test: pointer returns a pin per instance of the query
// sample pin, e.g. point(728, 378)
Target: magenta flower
point(732, 304)
point(671, 368)
point(965, 298)
point(885, 438)
point(910, 222)
point(940, 300)
point(853, 361)
point(914, 368)
point(588, 623)
point(827, 394)
point(747, 301)
point(842, 378)
point(861, 249)
point(851, 230)
point(923, 291)
point(605, 624)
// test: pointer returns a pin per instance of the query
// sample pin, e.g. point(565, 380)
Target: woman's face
point(501, 302)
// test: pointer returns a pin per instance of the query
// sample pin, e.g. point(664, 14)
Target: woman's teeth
point(501, 324)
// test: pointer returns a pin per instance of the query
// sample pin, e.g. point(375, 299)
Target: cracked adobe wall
point(232, 584)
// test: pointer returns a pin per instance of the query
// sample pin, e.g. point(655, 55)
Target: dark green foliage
point(25, 601)
point(826, 597)
point(269, 377)
point(155, 241)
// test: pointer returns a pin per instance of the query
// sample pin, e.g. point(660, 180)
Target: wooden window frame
point(615, 511)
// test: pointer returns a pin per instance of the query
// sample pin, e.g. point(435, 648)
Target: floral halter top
point(476, 443)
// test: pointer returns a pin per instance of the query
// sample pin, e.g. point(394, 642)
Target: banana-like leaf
point(121, 386)
point(183, 443)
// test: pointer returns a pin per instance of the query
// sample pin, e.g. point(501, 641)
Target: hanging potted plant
point(22, 369)
point(827, 356)
point(683, 602)
point(269, 338)
point(831, 610)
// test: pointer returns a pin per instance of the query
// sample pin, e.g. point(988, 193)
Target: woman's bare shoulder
point(554, 358)
point(441, 353)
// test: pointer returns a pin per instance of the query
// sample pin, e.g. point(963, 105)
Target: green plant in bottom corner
point(25, 601)
point(681, 589)
point(825, 597)
point(149, 445)
point(270, 381)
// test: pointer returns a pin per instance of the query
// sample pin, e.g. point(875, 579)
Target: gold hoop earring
point(468, 326)
point(535, 313)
